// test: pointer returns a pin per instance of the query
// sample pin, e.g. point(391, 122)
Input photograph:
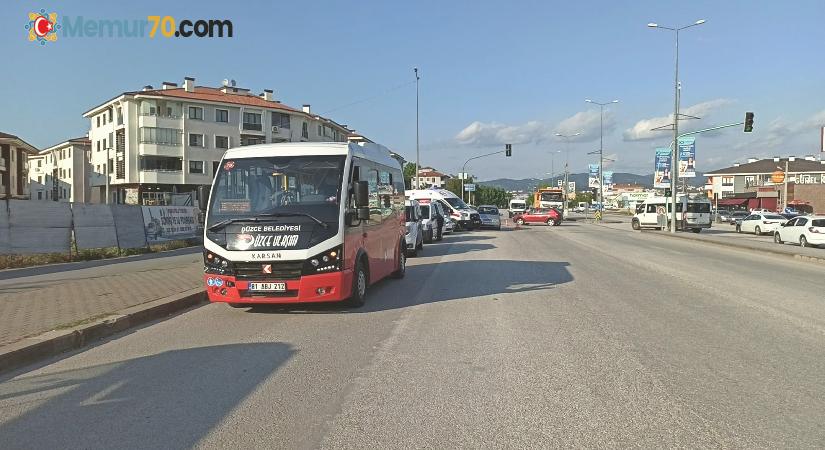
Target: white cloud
point(534, 132)
point(641, 131)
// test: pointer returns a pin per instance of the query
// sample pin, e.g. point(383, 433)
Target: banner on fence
point(164, 223)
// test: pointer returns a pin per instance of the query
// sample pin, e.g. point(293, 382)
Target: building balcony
point(252, 128)
point(161, 176)
point(155, 121)
point(146, 148)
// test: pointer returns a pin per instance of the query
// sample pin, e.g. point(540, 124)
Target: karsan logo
point(44, 28)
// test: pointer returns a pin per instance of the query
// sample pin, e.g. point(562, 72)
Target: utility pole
point(601, 149)
point(417, 155)
point(567, 167)
point(674, 161)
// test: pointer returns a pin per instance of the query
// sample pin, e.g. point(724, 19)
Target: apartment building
point(62, 173)
point(763, 183)
point(14, 166)
point(156, 146)
point(429, 177)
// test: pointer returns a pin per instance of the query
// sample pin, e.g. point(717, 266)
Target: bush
point(20, 261)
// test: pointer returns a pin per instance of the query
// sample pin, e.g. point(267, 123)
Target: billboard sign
point(469, 187)
point(661, 174)
point(593, 178)
point(687, 157)
point(608, 180)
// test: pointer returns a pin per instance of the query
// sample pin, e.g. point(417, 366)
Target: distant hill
point(580, 179)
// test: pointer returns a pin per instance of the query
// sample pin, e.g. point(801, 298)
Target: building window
point(160, 164)
point(280, 120)
point(39, 180)
point(196, 112)
point(221, 115)
point(70, 152)
point(164, 136)
point(319, 130)
point(39, 163)
point(98, 145)
point(196, 167)
point(120, 116)
point(195, 140)
point(305, 130)
point(110, 115)
point(727, 181)
point(221, 142)
point(40, 195)
point(69, 173)
point(98, 121)
point(252, 121)
point(104, 119)
point(104, 144)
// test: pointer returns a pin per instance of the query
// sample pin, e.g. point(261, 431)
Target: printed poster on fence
point(687, 157)
point(165, 223)
point(661, 174)
point(593, 179)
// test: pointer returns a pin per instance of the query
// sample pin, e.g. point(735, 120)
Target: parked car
point(761, 223)
point(803, 230)
point(723, 216)
point(579, 209)
point(550, 216)
point(449, 225)
point(737, 216)
point(490, 216)
point(415, 231)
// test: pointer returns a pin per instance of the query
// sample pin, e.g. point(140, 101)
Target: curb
point(806, 258)
point(51, 343)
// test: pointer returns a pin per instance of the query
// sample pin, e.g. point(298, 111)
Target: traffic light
point(508, 150)
point(748, 122)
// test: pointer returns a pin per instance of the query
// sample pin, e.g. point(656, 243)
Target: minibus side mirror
point(363, 213)
point(203, 197)
point(362, 199)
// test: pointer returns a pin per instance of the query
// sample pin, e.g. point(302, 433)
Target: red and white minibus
point(303, 222)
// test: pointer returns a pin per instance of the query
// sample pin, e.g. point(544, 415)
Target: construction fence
point(30, 227)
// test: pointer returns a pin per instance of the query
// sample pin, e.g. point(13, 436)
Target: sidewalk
point(37, 300)
point(726, 235)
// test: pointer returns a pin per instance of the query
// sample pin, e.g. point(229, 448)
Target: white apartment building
point(60, 173)
point(14, 166)
point(156, 144)
point(429, 177)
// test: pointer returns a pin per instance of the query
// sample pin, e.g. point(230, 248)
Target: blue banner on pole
point(687, 157)
point(607, 182)
point(661, 175)
point(593, 179)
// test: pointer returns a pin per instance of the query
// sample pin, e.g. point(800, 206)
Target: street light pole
point(464, 169)
point(674, 161)
point(567, 167)
point(601, 148)
point(417, 156)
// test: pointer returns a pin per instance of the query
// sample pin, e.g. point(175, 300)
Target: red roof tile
point(216, 95)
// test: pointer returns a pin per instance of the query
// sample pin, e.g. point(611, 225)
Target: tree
point(488, 195)
point(409, 173)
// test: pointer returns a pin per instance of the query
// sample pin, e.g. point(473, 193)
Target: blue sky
point(491, 72)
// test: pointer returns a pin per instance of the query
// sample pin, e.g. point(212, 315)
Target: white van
point(655, 213)
point(517, 205)
point(466, 218)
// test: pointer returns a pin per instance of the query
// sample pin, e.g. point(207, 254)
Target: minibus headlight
point(325, 262)
point(214, 263)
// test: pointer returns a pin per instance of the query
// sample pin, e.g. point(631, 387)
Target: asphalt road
point(578, 335)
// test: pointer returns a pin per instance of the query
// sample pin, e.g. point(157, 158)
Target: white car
point(490, 216)
point(806, 231)
point(415, 232)
point(761, 223)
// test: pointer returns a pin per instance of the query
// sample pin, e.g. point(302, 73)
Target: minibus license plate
point(267, 287)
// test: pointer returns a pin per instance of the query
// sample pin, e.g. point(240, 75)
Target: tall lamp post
point(674, 177)
point(601, 147)
point(417, 157)
point(566, 138)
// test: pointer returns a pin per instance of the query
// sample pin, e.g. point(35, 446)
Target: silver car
point(490, 216)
